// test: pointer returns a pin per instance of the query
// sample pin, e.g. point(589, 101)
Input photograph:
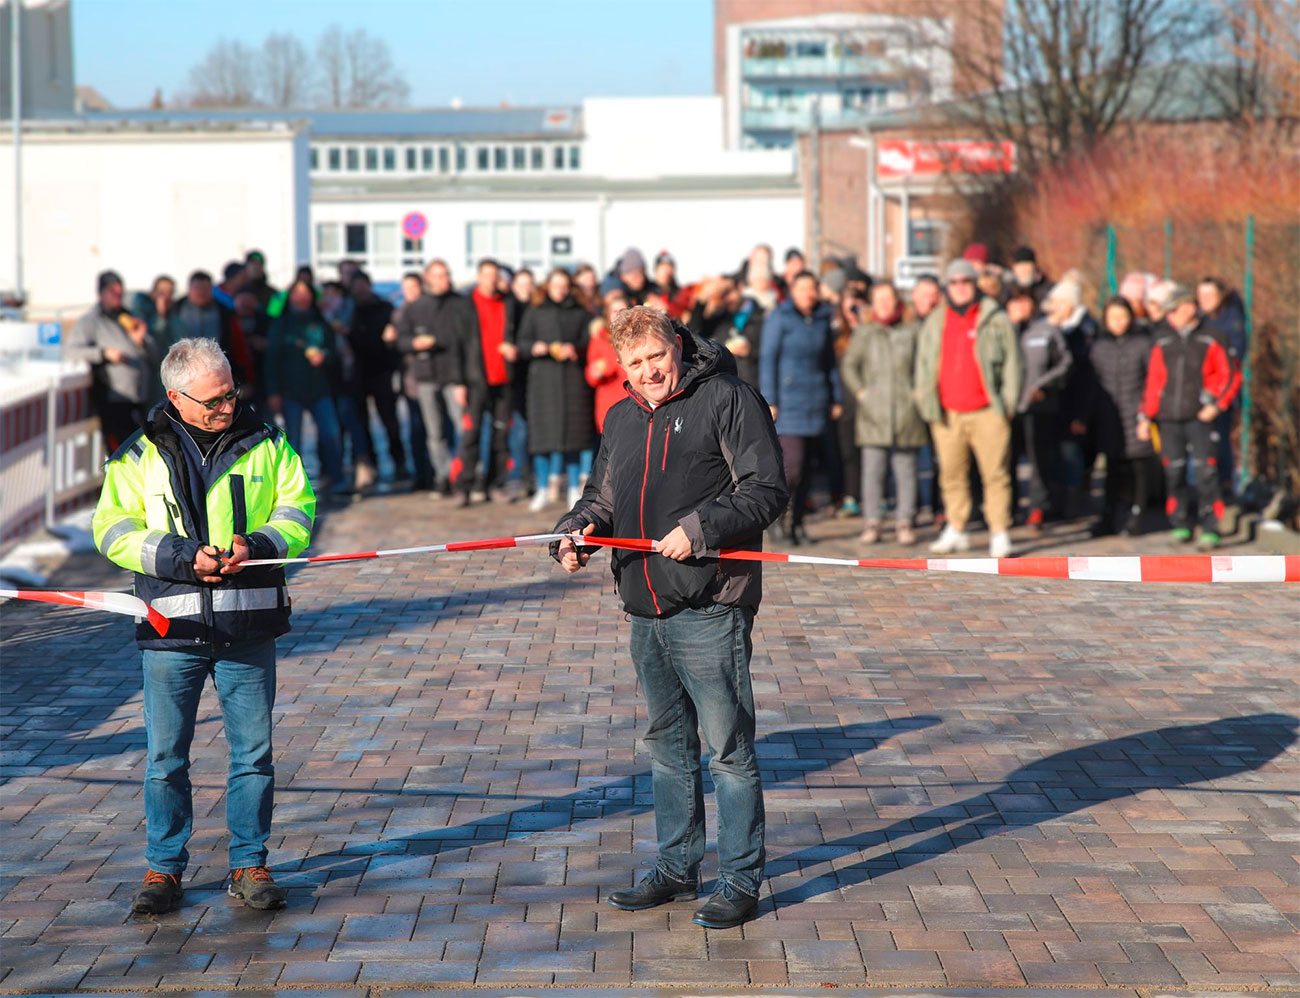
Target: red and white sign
point(912, 158)
point(414, 225)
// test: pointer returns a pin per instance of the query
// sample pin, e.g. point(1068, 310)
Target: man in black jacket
point(375, 362)
point(690, 459)
point(432, 333)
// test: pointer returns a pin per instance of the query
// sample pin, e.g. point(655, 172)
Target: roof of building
point(515, 122)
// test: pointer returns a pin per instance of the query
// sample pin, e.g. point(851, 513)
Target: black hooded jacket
point(707, 460)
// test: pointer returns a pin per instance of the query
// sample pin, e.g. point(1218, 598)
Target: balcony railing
point(819, 66)
point(798, 119)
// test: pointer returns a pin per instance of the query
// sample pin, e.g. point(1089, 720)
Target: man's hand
point(113, 355)
point(206, 565)
point(135, 328)
point(390, 334)
point(239, 553)
point(1037, 395)
point(1078, 427)
point(509, 351)
point(739, 346)
point(315, 356)
point(541, 349)
point(1209, 413)
point(676, 545)
point(837, 411)
point(571, 559)
point(773, 408)
point(424, 342)
point(461, 394)
point(1143, 429)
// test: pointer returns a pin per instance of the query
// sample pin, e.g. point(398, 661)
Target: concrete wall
point(145, 203)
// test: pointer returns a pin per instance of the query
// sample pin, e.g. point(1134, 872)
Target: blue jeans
point(330, 448)
point(518, 445)
point(574, 465)
point(694, 669)
point(244, 675)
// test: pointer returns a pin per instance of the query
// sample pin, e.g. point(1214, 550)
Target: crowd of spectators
point(881, 396)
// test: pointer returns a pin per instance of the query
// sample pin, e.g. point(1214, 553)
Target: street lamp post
point(16, 95)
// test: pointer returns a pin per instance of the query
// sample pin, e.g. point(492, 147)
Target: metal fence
point(51, 454)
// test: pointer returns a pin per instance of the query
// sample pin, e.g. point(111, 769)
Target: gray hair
point(190, 359)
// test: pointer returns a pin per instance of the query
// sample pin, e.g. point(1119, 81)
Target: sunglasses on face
point(960, 280)
point(211, 404)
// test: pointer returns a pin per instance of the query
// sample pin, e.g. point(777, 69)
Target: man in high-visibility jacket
point(202, 487)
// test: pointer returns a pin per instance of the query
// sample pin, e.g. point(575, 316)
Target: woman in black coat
point(561, 410)
point(1119, 356)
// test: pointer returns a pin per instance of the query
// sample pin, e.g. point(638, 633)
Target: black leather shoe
point(656, 888)
point(727, 908)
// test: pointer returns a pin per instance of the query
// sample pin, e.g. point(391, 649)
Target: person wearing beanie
point(1190, 380)
point(123, 358)
point(976, 253)
point(630, 276)
point(1026, 274)
point(1038, 417)
point(1133, 289)
point(967, 382)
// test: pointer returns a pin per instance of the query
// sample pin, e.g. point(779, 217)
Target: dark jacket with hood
point(561, 405)
point(706, 459)
point(1119, 365)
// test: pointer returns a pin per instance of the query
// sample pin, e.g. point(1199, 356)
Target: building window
point(558, 157)
point(372, 158)
point(461, 156)
point(518, 158)
point(334, 157)
point(354, 238)
point(520, 244)
point(390, 159)
point(575, 157)
point(411, 153)
point(354, 159)
point(481, 158)
point(314, 158)
point(538, 155)
point(444, 160)
point(499, 158)
point(412, 253)
point(924, 237)
point(327, 238)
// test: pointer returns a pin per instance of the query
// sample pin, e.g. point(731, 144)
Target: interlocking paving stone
point(974, 787)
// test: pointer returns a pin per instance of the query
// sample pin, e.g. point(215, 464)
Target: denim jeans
point(244, 675)
point(694, 669)
point(328, 445)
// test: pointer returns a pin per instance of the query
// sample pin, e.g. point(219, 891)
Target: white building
point(147, 192)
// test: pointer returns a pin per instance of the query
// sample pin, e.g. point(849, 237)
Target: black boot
point(656, 888)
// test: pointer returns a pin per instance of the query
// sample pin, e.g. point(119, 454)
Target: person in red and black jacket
point(1190, 380)
point(488, 359)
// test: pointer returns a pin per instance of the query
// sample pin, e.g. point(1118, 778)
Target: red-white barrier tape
point(1144, 568)
point(124, 603)
point(1141, 568)
point(528, 540)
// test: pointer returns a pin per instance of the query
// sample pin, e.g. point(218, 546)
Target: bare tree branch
point(225, 77)
point(284, 72)
point(357, 70)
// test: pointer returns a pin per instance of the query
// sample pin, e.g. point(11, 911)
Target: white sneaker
point(1000, 545)
point(951, 541)
point(539, 501)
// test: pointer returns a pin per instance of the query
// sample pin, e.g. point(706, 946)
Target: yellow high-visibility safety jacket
point(163, 500)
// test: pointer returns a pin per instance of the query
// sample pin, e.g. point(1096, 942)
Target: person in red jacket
point(604, 372)
point(1190, 380)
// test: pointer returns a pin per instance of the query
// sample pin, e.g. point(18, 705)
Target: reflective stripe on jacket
point(148, 522)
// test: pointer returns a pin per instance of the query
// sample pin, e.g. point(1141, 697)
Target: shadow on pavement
point(1052, 788)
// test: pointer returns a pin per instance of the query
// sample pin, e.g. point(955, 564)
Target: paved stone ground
point(972, 783)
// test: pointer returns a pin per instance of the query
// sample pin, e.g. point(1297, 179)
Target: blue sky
point(482, 51)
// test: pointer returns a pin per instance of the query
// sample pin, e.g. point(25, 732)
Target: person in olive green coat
point(877, 370)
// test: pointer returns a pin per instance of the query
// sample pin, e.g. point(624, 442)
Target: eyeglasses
point(960, 280)
point(211, 404)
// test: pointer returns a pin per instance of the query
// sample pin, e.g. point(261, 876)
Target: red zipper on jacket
point(663, 466)
point(645, 561)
